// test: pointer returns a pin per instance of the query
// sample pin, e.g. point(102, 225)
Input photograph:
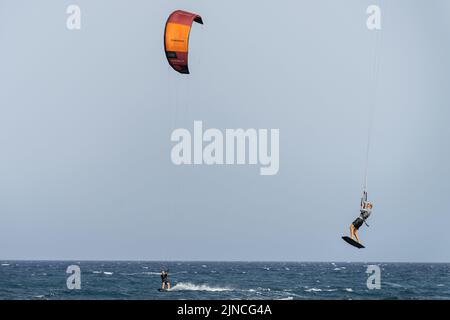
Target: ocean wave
point(188, 286)
point(319, 290)
point(258, 290)
point(313, 290)
point(151, 273)
point(108, 273)
point(395, 285)
point(148, 273)
point(348, 289)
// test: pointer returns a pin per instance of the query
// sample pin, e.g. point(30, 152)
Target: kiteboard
point(162, 290)
point(353, 242)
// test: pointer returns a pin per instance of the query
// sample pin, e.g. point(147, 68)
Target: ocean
point(223, 280)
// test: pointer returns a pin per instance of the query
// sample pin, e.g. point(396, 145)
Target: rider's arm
point(364, 200)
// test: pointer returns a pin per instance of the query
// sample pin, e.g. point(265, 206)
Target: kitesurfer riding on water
point(365, 212)
point(164, 280)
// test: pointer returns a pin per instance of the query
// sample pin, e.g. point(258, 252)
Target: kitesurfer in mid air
point(365, 212)
point(164, 280)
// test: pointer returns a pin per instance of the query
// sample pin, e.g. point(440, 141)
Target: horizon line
point(217, 261)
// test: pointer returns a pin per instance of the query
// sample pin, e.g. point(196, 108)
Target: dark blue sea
point(223, 280)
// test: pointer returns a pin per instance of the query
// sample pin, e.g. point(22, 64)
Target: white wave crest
point(339, 268)
point(313, 290)
point(197, 287)
point(320, 290)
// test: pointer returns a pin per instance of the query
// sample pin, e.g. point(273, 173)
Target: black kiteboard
point(162, 290)
point(353, 242)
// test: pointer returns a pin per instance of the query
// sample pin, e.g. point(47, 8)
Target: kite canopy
point(176, 39)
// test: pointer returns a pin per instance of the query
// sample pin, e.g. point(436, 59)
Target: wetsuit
point(363, 216)
point(164, 278)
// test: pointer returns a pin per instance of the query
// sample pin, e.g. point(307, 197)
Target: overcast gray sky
point(86, 119)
